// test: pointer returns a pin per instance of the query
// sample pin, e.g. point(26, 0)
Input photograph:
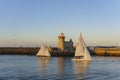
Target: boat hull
point(43, 56)
point(74, 59)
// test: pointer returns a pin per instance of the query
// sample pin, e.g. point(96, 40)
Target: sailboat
point(43, 52)
point(81, 52)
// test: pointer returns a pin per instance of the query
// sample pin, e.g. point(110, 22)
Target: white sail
point(79, 47)
point(47, 53)
point(43, 51)
point(86, 52)
point(81, 50)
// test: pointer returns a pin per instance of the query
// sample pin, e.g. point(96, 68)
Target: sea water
point(15, 67)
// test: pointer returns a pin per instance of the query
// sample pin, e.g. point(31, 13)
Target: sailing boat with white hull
point(81, 52)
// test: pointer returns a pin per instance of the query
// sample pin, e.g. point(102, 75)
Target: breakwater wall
point(115, 51)
point(18, 50)
point(33, 51)
point(30, 51)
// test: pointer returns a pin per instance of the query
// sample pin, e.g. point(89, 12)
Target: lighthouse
point(61, 39)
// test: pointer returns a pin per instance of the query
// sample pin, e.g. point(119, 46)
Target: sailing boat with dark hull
point(81, 52)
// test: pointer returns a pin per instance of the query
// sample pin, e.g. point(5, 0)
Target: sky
point(34, 22)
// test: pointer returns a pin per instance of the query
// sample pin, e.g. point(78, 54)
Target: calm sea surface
point(58, 68)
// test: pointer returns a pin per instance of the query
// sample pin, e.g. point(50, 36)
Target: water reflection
point(58, 68)
point(43, 62)
point(43, 65)
point(81, 68)
point(65, 69)
point(61, 65)
point(106, 59)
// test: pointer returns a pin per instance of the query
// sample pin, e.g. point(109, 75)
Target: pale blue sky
point(32, 22)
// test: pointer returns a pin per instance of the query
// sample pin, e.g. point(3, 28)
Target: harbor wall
point(18, 50)
point(30, 51)
point(115, 51)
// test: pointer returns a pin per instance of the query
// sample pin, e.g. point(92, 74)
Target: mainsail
point(79, 47)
